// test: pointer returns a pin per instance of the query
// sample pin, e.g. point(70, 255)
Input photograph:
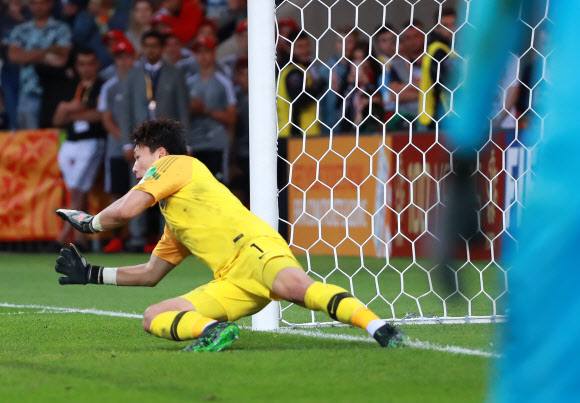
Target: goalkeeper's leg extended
point(292, 284)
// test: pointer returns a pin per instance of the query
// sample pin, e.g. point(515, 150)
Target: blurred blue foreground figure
point(541, 342)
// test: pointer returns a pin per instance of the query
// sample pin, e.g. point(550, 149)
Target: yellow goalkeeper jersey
point(202, 216)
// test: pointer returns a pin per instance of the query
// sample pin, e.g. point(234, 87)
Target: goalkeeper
point(251, 262)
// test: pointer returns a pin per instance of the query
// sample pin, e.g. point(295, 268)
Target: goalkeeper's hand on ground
point(80, 220)
point(76, 268)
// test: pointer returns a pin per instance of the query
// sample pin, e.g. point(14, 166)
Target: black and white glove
point(80, 220)
point(76, 268)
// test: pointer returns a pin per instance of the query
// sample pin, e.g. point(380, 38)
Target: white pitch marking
point(91, 311)
point(423, 345)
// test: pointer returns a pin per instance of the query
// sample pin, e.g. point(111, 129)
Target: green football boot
point(390, 336)
point(215, 337)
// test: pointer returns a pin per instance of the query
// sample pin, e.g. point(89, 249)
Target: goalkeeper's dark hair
point(165, 133)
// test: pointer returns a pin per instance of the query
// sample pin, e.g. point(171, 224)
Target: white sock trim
point(110, 275)
point(97, 223)
point(374, 325)
point(207, 324)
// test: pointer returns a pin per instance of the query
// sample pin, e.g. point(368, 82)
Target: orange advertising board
point(373, 196)
point(337, 198)
point(31, 185)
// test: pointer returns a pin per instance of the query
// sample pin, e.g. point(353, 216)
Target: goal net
point(364, 88)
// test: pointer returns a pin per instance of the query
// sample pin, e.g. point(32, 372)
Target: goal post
point(263, 130)
point(367, 158)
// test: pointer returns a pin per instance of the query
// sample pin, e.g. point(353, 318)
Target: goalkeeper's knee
point(339, 304)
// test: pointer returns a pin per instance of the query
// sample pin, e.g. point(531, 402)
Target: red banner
point(423, 165)
point(32, 188)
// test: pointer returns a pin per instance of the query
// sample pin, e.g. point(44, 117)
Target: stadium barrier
point(367, 196)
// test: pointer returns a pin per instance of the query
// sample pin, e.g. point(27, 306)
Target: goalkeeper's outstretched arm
point(77, 270)
point(116, 215)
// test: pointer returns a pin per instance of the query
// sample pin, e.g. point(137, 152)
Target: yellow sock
point(339, 304)
point(175, 325)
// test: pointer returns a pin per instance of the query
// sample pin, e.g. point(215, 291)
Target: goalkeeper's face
point(144, 158)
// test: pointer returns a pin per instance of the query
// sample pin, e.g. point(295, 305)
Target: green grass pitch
point(53, 356)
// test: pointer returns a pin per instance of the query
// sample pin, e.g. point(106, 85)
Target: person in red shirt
point(184, 17)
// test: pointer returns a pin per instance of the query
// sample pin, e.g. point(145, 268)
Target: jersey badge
point(151, 173)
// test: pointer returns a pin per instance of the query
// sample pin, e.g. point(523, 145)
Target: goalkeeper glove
point(80, 220)
point(76, 268)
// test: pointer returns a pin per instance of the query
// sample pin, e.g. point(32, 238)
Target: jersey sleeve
point(170, 249)
point(166, 176)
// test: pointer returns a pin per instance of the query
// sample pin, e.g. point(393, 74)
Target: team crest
point(151, 172)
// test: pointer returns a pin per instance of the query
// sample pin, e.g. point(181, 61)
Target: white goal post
point(363, 191)
point(263, 129)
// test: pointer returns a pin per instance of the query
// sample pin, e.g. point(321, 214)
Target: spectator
point(213, 111)
point(189, 66)
point(386, 43)
point(293, 78)
point(240, 184)
point(139, 23)
point(96, 20)
point(363, 105)
point(58, 83)
point(112, 105)
point(413, 42)
point(393, 67)
point(331, 103)
point(184, 17)
point(110, 39)
point(13, 15)
point(405, 79)
point(228, 63)
point(81, 155)
point(361, 91)
point(175, 53)
point(228, 23)
point(154, 89)
point(434, 99)
point(351, 86)
point(40, 40)
point(207, 29)
point(290, 92)
point(286, 27)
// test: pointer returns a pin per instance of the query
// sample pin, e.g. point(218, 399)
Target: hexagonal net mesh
point(364, 90)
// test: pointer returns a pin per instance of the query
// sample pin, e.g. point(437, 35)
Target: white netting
point(362, 162)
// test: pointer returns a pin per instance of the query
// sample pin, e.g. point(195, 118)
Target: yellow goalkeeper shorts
point(245, 286)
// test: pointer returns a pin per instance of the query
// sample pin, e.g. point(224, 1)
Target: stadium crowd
point(98, 68)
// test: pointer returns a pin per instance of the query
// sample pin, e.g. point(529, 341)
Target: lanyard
point(148, 86)
point(83, 92)
point(151, 105)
